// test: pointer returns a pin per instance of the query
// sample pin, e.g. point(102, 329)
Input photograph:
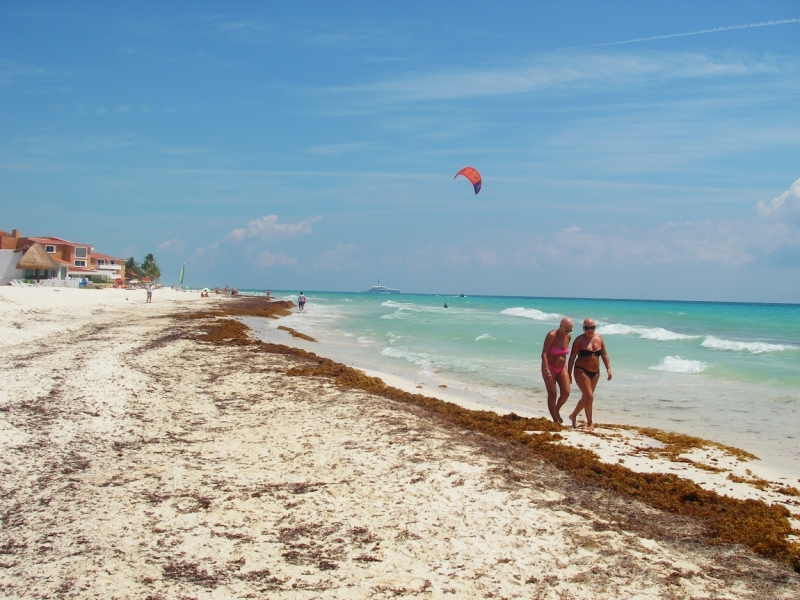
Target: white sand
point(138, 463)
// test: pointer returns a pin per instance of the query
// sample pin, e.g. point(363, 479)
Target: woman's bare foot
point(574, 424)
point(590, 427)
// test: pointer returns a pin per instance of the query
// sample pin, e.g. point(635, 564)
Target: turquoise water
point(730, 372)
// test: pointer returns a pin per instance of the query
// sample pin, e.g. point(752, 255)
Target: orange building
point(73, 259)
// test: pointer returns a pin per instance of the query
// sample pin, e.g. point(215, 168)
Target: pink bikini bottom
point(555, 370)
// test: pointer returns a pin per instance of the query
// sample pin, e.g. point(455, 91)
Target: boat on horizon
point(380, 289)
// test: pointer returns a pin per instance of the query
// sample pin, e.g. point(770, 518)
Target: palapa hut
point(36, 259)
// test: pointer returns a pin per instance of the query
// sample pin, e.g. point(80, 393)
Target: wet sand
point(139, 462)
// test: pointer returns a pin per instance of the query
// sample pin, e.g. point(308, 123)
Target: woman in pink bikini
point(587, 351)
point(554, 359)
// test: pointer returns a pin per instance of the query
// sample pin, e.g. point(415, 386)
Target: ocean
point(728, 372)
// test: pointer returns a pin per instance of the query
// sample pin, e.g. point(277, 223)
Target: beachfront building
point(70, 260)
point(113, 268)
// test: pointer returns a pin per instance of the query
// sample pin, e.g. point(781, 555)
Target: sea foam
point(648, 333)
point(676, 364)
point(753, 347)
point(485, 336)
point(420, 359)
point(530, 313)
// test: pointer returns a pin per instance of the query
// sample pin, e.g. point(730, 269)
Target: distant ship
point(380, 289)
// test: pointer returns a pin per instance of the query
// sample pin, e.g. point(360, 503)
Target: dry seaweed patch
point(753, 523)
point(296, 334)
point(676, 444)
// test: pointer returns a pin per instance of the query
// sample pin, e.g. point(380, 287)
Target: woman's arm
point(548, 341)
point(606, 362)
point(572, 356)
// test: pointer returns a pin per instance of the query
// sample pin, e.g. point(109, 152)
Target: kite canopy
point(473, 176)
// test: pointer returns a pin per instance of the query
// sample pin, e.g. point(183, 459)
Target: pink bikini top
point(558, 351)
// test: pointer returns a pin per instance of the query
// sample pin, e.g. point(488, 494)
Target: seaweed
point(763, 528)
point(296, 334)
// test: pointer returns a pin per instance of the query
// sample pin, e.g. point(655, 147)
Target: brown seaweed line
point(753, 523)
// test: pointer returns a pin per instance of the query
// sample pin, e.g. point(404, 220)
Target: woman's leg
point(587, 396)
point(588, 407)
point(563, 384)
point(550, 384)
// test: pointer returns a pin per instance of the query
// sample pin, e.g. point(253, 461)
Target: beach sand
point(139, 462)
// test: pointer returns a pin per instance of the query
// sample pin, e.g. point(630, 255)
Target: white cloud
point(174, 245)
point(11, 70)
point(268, 227)
point(788, 201)
point(561, 70)
point(334, 259)
point(206, 250)
point(268, 259)
point(333, 149)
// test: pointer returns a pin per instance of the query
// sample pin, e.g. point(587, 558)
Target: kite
point(473, 176)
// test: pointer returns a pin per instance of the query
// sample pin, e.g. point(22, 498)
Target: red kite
point(473, 176)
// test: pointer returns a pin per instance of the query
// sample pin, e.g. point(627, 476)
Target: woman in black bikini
point(586, 353)
point(554, 359)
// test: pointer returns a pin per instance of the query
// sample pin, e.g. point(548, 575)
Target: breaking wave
point(420, 359)
point(676, 364)
point(485, 336)
point(753, 347)
point(648, 333)
point(530, 313)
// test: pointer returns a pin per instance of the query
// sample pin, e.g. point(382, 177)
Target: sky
point(627, 149)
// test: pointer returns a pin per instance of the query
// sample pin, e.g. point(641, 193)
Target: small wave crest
point(423, 360)
point(485, 336)
point(676, 364)
point(648, 333)
point(753, 347)
point(530, 313)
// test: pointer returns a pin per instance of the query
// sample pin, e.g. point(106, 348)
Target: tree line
point(147, 268)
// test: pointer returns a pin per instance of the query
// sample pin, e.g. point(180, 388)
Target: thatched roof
point(36, 258)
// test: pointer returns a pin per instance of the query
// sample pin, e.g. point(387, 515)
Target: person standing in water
point(301, 301)
point(585, 358)
point(554, 359)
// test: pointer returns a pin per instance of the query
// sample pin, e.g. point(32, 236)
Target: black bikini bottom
point(590, 374)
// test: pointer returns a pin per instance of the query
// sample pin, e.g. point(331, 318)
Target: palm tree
point(150, 268)
point(132, 267)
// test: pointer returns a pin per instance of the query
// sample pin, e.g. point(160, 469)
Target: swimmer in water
point(587, 351)
point(554, 359)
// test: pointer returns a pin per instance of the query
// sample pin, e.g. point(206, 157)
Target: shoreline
point(722, 403)
point(779, 473)
point(156, 450)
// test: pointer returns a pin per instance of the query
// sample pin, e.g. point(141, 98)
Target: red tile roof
point(107, 257)
point(55, 240)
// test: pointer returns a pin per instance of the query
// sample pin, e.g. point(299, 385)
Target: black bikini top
point(590, 352)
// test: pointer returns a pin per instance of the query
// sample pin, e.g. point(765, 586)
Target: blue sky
point(628, 149)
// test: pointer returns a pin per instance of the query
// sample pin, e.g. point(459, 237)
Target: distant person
point(225, 290)
point(268, 296)
point(445, 304)
point(234, 292)
point(149, 289)
point(301, 301)
point(554, 359)
point(586, 353)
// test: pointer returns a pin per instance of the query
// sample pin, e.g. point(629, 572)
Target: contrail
point(715, 30)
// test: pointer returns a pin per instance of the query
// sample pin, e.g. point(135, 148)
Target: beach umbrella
point(35, 259)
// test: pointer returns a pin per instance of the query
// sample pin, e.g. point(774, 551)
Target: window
point(100, 261)
point(79, 263)
point(80, 253)
point(50, 249)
